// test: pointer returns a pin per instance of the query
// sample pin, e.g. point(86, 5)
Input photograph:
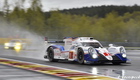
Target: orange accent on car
point(71, 54)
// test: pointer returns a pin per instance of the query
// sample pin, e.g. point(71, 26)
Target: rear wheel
point(80, 56)
point(50, 54)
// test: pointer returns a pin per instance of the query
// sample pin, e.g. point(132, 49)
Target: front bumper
point(119, 58)
point(12, 47)
point(9, 47)
point(100, 59)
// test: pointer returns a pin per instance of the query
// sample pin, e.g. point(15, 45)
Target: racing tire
point(80, 56)
point(50, 53)
point(116, 63)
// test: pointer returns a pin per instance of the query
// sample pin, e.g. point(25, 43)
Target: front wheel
point(50, 54)
point(80, 56)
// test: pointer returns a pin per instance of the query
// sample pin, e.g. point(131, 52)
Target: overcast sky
point(66, 4)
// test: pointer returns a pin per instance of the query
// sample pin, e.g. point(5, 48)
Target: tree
point(6, 8)
point(132, 29)
point(111, 26)
point(35, 17)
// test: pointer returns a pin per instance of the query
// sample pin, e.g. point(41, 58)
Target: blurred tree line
point(101, 11)
point(105, 23)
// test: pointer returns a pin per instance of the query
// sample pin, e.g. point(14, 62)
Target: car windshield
point(95, 45)
point(13, 41)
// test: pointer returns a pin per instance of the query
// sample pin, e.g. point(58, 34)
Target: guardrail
point(125, 44)
point(4, 40)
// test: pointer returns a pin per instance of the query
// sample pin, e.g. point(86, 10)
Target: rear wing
point(68, 42)
point(53, 41)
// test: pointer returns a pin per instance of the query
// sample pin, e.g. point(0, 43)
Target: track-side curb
point(55, 71)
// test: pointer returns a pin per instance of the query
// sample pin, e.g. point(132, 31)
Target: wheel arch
point(49, 48)
point(60, 47)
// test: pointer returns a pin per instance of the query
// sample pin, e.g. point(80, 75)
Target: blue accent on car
point(88, 57)
point(58, 46)
point(120, 57)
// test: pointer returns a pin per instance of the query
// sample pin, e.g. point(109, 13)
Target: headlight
point(18, 44)
point(94, 56)
point(6, 44)
point(17, 47)
point(92, 52)
point(124, 55)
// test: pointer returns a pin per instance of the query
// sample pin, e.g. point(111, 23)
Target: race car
point(84, 50)
point(16, 44)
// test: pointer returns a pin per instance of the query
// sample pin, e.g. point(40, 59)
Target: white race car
point(85, 50)
point(16, 44)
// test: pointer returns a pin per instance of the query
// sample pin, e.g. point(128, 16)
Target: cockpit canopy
point(15, 40)
point(93, 44)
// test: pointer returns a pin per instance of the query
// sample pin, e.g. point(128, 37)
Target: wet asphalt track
point(128, 71)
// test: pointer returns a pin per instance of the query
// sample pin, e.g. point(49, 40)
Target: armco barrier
point(125, 44)
point(4, 40)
